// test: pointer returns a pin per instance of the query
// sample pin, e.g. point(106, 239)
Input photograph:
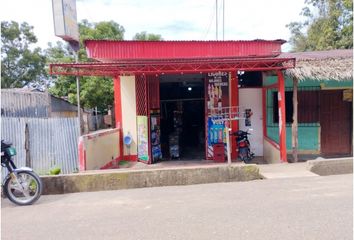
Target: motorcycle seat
point(5, 144)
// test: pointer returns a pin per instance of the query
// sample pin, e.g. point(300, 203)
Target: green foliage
point(144, 36)
point(55, 171)
point(328, 25)
point(94, 91)
point(20, 64)
point(98, 31)
point(62, 86)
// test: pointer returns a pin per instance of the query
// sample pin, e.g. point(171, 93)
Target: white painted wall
point(128, 97)
point(101, 147)
point(271, 153)
point(252, 98)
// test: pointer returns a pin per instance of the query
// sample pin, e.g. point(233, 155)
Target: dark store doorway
point(182, 117)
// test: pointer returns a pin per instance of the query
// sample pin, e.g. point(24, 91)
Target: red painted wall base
point(115, 163)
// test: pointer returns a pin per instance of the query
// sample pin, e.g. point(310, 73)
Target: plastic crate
point(219, 152)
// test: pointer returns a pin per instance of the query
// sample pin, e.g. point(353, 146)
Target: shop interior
point(249, 79)
point(182, 117)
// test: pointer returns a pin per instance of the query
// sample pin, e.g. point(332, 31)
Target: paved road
point(297, 208)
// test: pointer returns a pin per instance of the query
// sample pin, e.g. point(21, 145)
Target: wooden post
point(228, 145)
point(294, 127)
point(27, 147)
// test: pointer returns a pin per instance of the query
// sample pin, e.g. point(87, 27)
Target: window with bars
point(141, 95)
point(308, 105)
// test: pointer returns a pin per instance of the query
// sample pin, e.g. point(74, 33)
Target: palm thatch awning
point(322, 65)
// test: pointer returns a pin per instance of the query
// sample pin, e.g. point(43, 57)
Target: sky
point(172, 19)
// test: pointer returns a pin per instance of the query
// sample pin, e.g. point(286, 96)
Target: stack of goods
point(156, 147)
point(174, 145)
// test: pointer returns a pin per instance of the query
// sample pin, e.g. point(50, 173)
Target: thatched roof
point(322, 65)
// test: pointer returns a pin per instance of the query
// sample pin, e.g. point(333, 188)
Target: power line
point(223, 19)
point(216, 21)
point(209, 25)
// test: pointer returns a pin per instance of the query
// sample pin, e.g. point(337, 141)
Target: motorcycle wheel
point(243, 154)
point(25, 189)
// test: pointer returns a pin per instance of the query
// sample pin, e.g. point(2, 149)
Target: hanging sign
point(248, 115)
point(65, 20)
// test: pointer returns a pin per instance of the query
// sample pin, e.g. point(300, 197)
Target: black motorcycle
point(243, 145)
point(22, 186)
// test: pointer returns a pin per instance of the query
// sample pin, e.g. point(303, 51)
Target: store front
point(167, 93)
point(182, 116)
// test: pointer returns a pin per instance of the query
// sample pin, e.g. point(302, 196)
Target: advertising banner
point(217, 94)
point(143, 141)
point(218, 90)
point(217, 98)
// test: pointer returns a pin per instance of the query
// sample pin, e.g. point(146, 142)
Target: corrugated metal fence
point(52, 142)
point(15, 103)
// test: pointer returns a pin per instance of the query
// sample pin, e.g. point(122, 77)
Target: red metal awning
point(168, 66)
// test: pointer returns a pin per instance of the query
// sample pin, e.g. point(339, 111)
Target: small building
point(325, 103)
point(32, 103)
point(174, 98)
point(168, 93)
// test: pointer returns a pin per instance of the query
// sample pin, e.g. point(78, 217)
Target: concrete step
point(285, 170)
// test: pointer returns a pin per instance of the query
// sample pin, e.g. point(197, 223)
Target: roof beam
point(167, 67)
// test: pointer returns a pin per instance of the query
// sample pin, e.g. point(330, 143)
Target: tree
point(20, 65)
point(328, 25)
point(100, 31)
point(61, 86)
point(144, 36)
point(94, 91)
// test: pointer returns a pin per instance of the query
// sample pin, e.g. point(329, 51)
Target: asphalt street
point(287, 208)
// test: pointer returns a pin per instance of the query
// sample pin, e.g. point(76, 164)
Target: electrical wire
point(211, 21)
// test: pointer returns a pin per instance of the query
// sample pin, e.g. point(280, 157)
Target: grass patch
point(124, 163)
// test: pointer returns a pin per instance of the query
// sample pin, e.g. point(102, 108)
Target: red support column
point(282, 118)
point(234, 103)
point(118, 113)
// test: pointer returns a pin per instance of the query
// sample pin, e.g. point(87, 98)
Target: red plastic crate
point(219, 152)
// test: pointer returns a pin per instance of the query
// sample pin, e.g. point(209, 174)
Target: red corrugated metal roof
point(109, 50)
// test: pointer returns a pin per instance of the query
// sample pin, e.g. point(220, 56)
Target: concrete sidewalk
point(189, 172)
point(285, 170)
point(310, 168)
point(155, 177)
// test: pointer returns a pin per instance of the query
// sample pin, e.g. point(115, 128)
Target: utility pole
point(66, 27)
point(216, 19)
point(223, 19)
point(78, 92)
point(96, 112)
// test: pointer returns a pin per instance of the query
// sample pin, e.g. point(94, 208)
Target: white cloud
point(173, 19)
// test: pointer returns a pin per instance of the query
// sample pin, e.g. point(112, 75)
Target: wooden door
point(335, 120)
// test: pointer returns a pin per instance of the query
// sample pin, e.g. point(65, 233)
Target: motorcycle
point(21, 186)
point(243, 145)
